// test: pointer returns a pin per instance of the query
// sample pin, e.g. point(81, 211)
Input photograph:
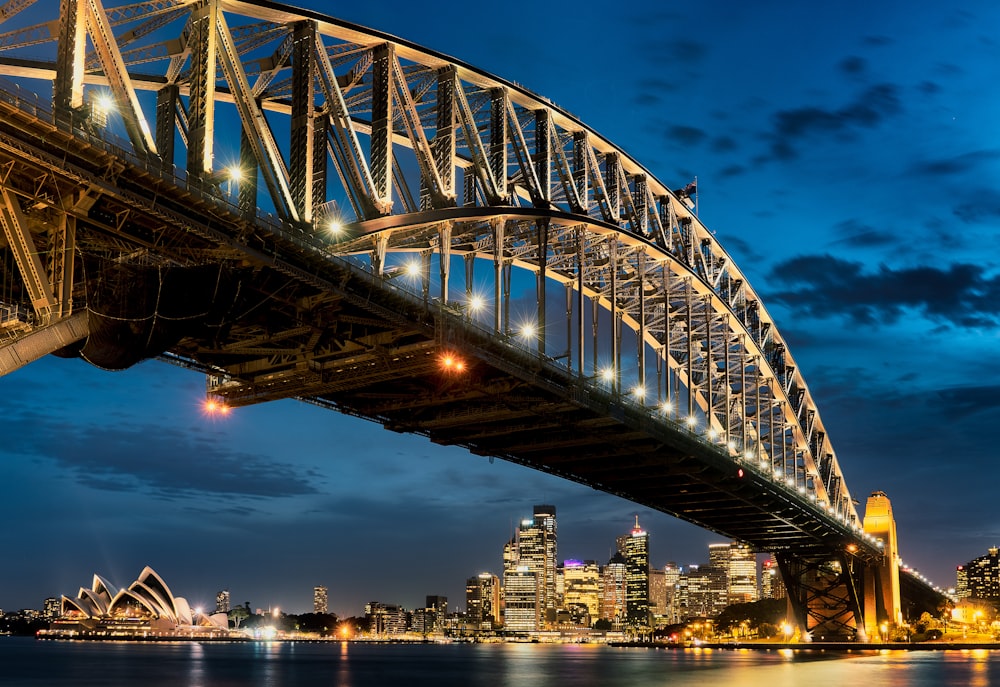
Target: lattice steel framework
point(403, 150)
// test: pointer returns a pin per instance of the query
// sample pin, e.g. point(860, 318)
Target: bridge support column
point(823, 595)
point(881, 581)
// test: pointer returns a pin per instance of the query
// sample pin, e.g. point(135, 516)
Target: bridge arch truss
point(375, 147)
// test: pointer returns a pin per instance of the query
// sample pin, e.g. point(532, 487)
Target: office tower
point(534, 550)
point(320, 600)
point(771, 584)
point(635, 551)
point(582, 590)
point(657, 592)
point(222, 604)
point(961, 582)
point(385, 619)
point(671, 579)
point(439, 606)
point(718, 555)
point(742, 574)
point(613, 602)
point(522, 607)
point(482, 600)
point(705, 591)
point(982, 576)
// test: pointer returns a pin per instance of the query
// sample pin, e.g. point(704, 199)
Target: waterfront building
point(635, 551)
point(772, 586)
point(742, 574)
point(582, 591)
point(657, 592)
point(613, 601)
point(961, 583)
point(522, 607)
point(385, 619)
point(222, 602)
point(534, 550)
point(438, 607)
point(51, 608)
point(671, 580)
point(482, 601)
point(145, 608)
point(704, 591)
point(320, 600)
point(982, 577)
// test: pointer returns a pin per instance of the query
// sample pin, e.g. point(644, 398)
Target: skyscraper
point(534, 551)
point(522, 609)
point(635, 551)
point(613, 604)
point(482, 600)
point(771, 584)
point(742, 574)
point(582, 589)
point(320, 600)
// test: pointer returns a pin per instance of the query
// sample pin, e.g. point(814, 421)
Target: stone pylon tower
point(881, 582)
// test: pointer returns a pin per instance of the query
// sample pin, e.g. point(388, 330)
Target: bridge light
point(639, 391)
point(412, 268)
point(790, 482)
point(235, 173)
point(608, 374)
point(452, 363)
point(712, 434)
point(528, 331)
point(731, 445)
point(105, 103)
point(476, 303)
point(335, 226)
point(691, 421)
point(852, 547)
point(215, 407)
point(739, 473)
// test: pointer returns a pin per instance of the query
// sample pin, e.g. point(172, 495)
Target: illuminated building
point(482, 600)
point(671, 580)
point(51, 609)
point(534, 550)
point(320, 604)
point(704, 591)
point(742, 574)
point(635, 551)
point(613, 591)
point(982, 577)
point(385, 619)
point(145, 608)
point(222, 603)
point(961, 583)
point(582, 590)
point(438, 607)
point(771, 584)
point(657, 592)
point(522, 607)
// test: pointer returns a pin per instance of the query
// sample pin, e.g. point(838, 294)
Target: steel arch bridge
point(325, 212)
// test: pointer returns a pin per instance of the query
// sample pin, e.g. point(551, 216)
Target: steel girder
point(540, 191)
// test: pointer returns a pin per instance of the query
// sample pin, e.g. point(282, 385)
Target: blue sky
point(848, 157)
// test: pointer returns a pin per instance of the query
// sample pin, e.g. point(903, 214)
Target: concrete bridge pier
point(881, 579)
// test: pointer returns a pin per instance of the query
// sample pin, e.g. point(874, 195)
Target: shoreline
point(821, 646)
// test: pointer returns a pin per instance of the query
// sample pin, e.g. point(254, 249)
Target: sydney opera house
point(146, 609)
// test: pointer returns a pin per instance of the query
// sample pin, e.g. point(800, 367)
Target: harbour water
point(28, 662)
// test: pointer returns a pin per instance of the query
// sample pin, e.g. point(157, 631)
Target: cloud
point(982, 204)
point(823, 286)
point(958, 164)
point(165, 462)
point(724, 144)
point(686, 135)
point(868, 110)
point(856, 233)
point(853, 65)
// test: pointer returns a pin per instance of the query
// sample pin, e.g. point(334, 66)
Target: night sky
point(847, 156)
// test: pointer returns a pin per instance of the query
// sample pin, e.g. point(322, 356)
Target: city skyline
point(850, 169)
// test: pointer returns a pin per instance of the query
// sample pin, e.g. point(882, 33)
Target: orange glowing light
point(451, 363)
